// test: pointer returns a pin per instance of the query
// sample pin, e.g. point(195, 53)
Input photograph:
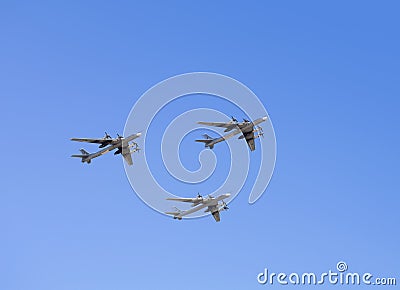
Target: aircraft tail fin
point(207, 139)
point(84, 152)
point(84, 156)
point(206, 142)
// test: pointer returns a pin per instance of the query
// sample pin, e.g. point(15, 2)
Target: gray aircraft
point(120, 143)
point(245, 128)
point(212, 204)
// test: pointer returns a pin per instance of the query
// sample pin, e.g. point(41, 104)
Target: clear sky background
point(328, 74)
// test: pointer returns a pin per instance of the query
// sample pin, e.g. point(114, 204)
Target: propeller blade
point(224, 205)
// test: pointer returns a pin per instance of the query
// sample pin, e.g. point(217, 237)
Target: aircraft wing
point(252, 144)
point(217, 124)
point(250, 140)
point(128, 158)
point(126, 152)
point(215, 212)
point(183, 199)
point(92, 140)
point(216, 216)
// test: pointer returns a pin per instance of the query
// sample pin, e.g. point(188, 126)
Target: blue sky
point(328, 74)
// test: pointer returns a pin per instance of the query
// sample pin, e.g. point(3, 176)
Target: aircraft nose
point(139, 134)
point(227, 194)
point(265, 118)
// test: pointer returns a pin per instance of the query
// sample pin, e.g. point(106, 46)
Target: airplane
point(120, 143)
point(245, 128)
point(212, 203)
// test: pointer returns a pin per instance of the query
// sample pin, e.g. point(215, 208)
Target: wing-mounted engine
point(105, 143)
point(119, 151)
point(107, 140)
point(106, 136)
point(223, 206)
point(261, 132)
point(198, 200)
point(135, 147)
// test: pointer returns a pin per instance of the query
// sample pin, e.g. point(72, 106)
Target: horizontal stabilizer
point(79, 156)
point(207, 142)
point(204, 140)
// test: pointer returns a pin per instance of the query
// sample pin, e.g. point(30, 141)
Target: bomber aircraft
point(212, 204)
point(246, 129)
point(120, 143)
